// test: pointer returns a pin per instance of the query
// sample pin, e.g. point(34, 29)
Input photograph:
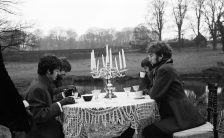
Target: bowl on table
point(87, 97)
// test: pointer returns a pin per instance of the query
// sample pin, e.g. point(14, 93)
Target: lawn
point(186, 61)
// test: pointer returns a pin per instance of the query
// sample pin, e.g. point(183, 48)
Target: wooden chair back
point(212, 113)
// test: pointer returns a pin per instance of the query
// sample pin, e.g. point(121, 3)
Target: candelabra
point(107, 72)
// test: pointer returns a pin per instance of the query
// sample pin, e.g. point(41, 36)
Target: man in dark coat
point(41, 100)
point(176, 111)
point(13, 113)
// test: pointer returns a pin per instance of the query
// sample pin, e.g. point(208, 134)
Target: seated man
point(67, 90)
point(146, 81)
point(65, 67)
point(176, 111)
point(40, 97)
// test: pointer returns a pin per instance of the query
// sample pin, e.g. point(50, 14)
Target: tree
point(7, 6)
point(212, 10)
point(32, 40)
point(123, 37)
point(179, 12)
point(220, 24)
point(198, 9)
point(141, 37)
point(71, 38)
point(11, 38)
point(58, 38)
point(157, 20)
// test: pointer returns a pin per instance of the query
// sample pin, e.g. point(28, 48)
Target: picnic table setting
point(108, 113)
point(104, 117)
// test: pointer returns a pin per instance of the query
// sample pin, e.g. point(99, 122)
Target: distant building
point(200, 40)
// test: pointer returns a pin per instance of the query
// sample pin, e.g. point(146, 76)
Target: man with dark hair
point(176, 111)
point(65, 67)
point(40, 97)
point(65, 90)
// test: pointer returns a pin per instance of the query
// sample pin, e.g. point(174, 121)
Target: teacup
point(138, 94)
point(135, 87)
point(96, 93)
point(75, 95)
point(142, 74)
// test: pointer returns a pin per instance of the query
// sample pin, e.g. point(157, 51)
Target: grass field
point(186, 61)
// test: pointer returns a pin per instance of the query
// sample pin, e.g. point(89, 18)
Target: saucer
point(139, 97)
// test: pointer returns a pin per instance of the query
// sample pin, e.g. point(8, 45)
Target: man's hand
point(70, 91)
point(67, 100)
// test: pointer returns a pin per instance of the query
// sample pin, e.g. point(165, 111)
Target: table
point(108, 117)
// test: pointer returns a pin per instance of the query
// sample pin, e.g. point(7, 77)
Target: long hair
point(160, 49)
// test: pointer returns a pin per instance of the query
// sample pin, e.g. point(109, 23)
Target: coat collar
point(164, 61)
point(44, 79)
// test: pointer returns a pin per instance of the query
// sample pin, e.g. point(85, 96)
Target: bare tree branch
point(212, 10)
point(179, 12)
point(156, 22)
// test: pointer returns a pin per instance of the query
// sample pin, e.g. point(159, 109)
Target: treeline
point(68, 39)
point(34, 56)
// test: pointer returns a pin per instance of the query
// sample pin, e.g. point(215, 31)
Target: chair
point(5, 132)
point(206, 130)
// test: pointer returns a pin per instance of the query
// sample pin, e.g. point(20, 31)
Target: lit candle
point(116, 63)
point(91, 60)
point(97, 67)
point(120, 62)
point(94, 60)
point(111, 64)
point(103, 60)
point(107, 54)
point(123, 57)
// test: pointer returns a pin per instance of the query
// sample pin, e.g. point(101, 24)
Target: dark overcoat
point(176, 111)
point(40, 98)
point(12, 111)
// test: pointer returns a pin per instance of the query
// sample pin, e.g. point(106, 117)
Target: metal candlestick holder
point(107, 72)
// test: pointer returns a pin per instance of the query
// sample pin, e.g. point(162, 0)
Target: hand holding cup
point(68, 92)
point(142, 74)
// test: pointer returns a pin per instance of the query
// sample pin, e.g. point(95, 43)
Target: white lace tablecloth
point(108, 118)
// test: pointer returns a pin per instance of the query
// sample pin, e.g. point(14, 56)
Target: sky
point(81, 15)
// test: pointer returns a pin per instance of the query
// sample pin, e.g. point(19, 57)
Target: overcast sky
point(82, 14)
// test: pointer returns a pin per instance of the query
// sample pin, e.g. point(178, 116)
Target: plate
point(140, 97)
